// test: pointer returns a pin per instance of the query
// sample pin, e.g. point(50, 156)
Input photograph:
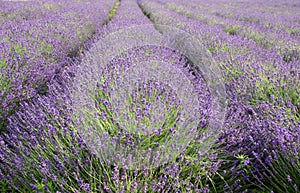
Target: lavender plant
point(118, 95)
point(240, 93)
point(132, 92)
point(38, 39)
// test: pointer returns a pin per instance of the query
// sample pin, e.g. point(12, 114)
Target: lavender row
point(43, 143)
point(122, 178)
point(226, 48)
point(41, 42)
point(256, 97)
point(52, 148)
point(45, 149)
point(237, 59)
point(40, 39)
point(268, 60)
point(286, 44)
point(276, 15)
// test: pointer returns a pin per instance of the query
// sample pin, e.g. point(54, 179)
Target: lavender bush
point(203, 95)
point(38, 40)
point(121, 109)
point(262, 100)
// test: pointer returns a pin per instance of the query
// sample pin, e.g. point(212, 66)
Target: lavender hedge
point(251, 97)
point(87, 84)
point(38, 40)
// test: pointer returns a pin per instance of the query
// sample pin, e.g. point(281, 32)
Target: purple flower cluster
point(47, 146)
point(155, 102)
point(262, 85)
point(248, 75)
point(38, 40)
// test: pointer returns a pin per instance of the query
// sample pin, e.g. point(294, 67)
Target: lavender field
point(146, 96)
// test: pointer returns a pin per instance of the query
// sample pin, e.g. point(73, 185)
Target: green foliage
point(113, 11)
point(290, 54)
point(5, 85)
point(232, 30)
point(145, 141)
point(42, 88)
point(294, 31)
point(284, 174)
point(232, 71)
point(259, 38)
point(267, 90)
point(5, 187)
